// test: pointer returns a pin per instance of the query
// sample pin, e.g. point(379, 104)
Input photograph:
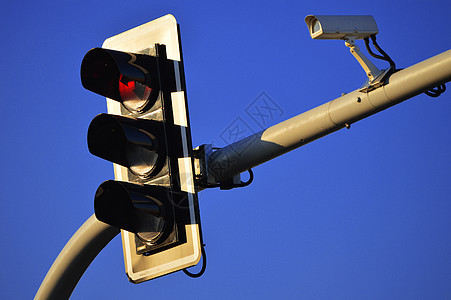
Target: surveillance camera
point(341, 27)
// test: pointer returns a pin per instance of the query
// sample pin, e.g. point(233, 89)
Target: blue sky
point(360, 214)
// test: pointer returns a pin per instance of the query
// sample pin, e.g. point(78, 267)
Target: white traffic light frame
point(138, 267)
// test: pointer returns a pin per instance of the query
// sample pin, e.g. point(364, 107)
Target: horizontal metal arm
point(327, 118)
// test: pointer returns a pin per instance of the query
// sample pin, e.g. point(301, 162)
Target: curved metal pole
point(75, 258)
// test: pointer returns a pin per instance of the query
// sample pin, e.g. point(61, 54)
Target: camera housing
point(333, 27)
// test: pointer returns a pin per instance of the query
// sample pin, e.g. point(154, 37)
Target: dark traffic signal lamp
point(137, 144)
point(154, 198)
point(140, 146)
point(145, 210)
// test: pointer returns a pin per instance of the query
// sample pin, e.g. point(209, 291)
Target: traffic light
point(147, 137)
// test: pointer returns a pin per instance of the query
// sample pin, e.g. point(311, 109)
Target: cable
point(367, 44)
point(386, 57)
point(204, 265)
point(251, 178)
point(433, 92)
point(436, 91)
point(228, 184)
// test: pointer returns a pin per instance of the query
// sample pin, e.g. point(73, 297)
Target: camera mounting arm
point(375, 76)
point(370, 69)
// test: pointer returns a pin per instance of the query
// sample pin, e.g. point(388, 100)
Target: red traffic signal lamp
point(130, 78)
point(147, 137)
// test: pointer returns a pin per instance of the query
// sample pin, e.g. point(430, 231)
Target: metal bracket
point(376, 77)
point(203, 176)
point(377, 82)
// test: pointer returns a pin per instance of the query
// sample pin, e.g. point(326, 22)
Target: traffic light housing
point(147, 137)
